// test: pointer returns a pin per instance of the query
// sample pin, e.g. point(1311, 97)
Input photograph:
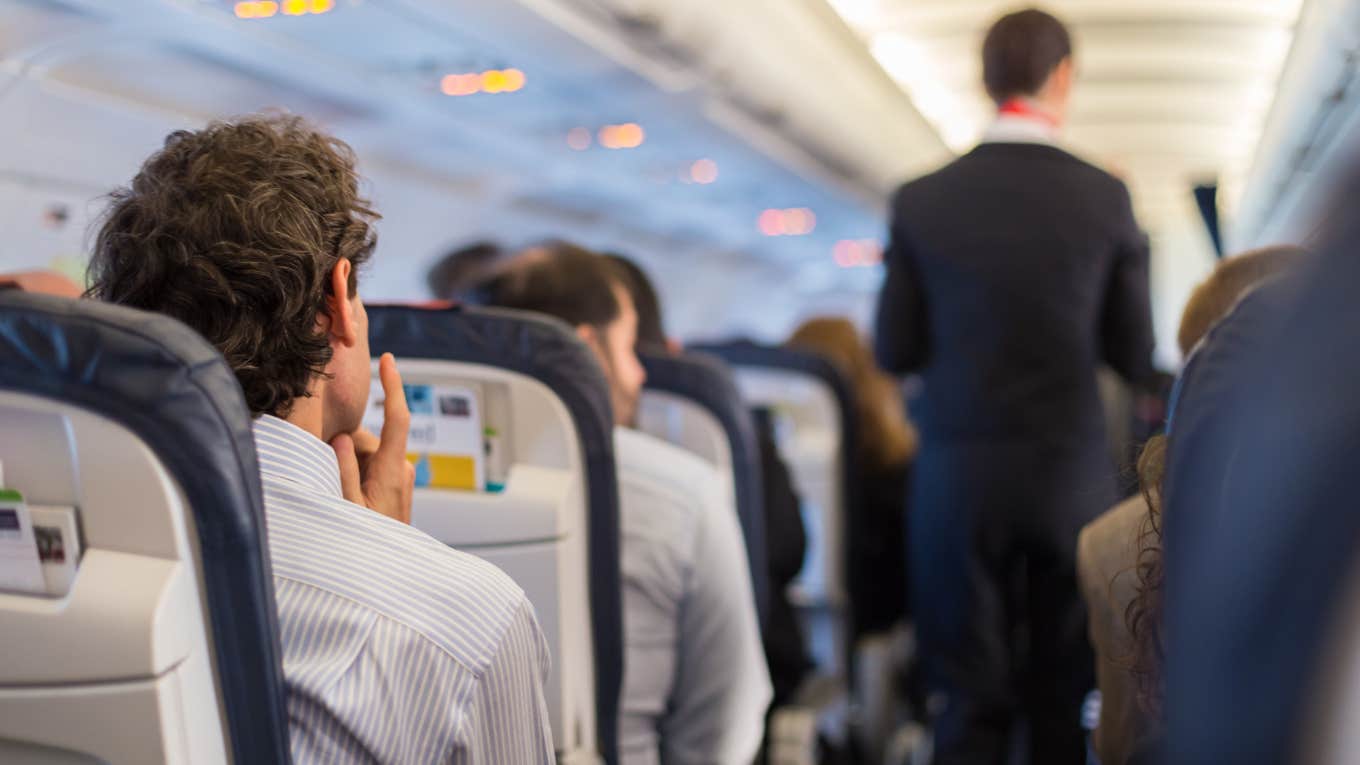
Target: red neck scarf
point(1019, 107)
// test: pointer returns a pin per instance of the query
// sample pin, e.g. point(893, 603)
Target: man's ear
point(591, 337)
point(587, 334)
point(340, 305)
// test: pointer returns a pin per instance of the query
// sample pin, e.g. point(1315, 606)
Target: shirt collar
point(1015, 128)
point(292, 454)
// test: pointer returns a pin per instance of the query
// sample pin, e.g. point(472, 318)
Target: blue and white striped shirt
point(396, 648)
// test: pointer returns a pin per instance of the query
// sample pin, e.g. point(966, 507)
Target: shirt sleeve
point(1126, 328)
point(722, 684)
point(900, 332)
point(508, 718)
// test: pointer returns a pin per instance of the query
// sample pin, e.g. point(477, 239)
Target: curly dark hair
point(234, 230)
point(1143, 617)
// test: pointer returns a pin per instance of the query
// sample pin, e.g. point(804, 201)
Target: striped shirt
point(396, 648)
point(695, 682)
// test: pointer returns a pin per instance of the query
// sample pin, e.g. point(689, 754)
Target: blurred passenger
point(695, 688)
point(1011, 273)
point(458, 274)
point(396, 649)
point(1119, 553)
point(651, 334)
point(887, 445)
point(45, 282)
point(785, 538)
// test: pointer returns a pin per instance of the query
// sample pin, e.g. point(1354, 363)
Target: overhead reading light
point(264, 9)
point(798, 221)
point(492, 81)
point(857, 253)
point(703, 172)
point(629, 135)
point(578, 138)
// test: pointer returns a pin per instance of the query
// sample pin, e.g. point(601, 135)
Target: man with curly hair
point(395, 648)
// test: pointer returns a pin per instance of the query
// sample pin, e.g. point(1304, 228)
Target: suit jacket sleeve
point(1126, 331)
point(900, 343)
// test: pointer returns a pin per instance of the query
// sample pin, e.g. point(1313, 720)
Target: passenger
point(877, 566)
point(695, 687)
point(396, 648)
point(1119, 553)
point(45, 282)
point(651, 333)
point(458, 274)
point(786, 653)
point(1010, 273)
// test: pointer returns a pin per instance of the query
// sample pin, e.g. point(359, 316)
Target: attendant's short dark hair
point(562, 280)
point(1020, 53)
point(235, 230)
point(651, 333)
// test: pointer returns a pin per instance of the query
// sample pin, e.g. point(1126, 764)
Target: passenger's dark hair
point(463, 270)
point(1231, 279)
point(1020, 53)
point(651, 333)
point(1143, 615)
point(235, 230)
point(561, 280)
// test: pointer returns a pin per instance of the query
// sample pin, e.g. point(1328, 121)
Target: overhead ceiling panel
point(1169, 91)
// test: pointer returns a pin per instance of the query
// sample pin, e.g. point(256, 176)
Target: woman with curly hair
point(1119, 555)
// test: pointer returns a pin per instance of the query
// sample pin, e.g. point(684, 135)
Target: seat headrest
point(708, 382)
point(160, 380)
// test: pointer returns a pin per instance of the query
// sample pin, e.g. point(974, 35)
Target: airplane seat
point(540, 500)
point(815, 404)
point(128, 432)
point(693, 402)
point(816, 429)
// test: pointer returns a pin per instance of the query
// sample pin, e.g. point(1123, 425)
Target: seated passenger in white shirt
point(396, 649)
point(695, 686)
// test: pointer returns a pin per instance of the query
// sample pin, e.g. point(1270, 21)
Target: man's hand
point(374, 471)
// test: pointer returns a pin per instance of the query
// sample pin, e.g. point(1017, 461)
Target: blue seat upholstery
point(165, 384)
point(547, 351)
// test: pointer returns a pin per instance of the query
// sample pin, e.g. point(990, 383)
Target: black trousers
point(999, 616)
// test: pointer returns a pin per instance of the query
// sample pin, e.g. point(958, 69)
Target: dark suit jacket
point(1012, 272)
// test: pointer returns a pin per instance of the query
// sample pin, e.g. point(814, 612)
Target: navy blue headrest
point(160, 380)
point(548, 351)
point(1260, 525)
point(743, 353)
point(706, 381)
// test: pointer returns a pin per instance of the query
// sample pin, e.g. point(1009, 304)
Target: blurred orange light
point(256, 9)
point(514, 80)
point(322, 6)
point(799, 222)
point(294, 7)
point(771, 222)
point(846, 253)
point(705, 171)
point(460, 84)
point(578, 138)
point(493, 81)
point(631, 135)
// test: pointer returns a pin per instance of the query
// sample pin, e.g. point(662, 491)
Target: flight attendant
point(1012, 273)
